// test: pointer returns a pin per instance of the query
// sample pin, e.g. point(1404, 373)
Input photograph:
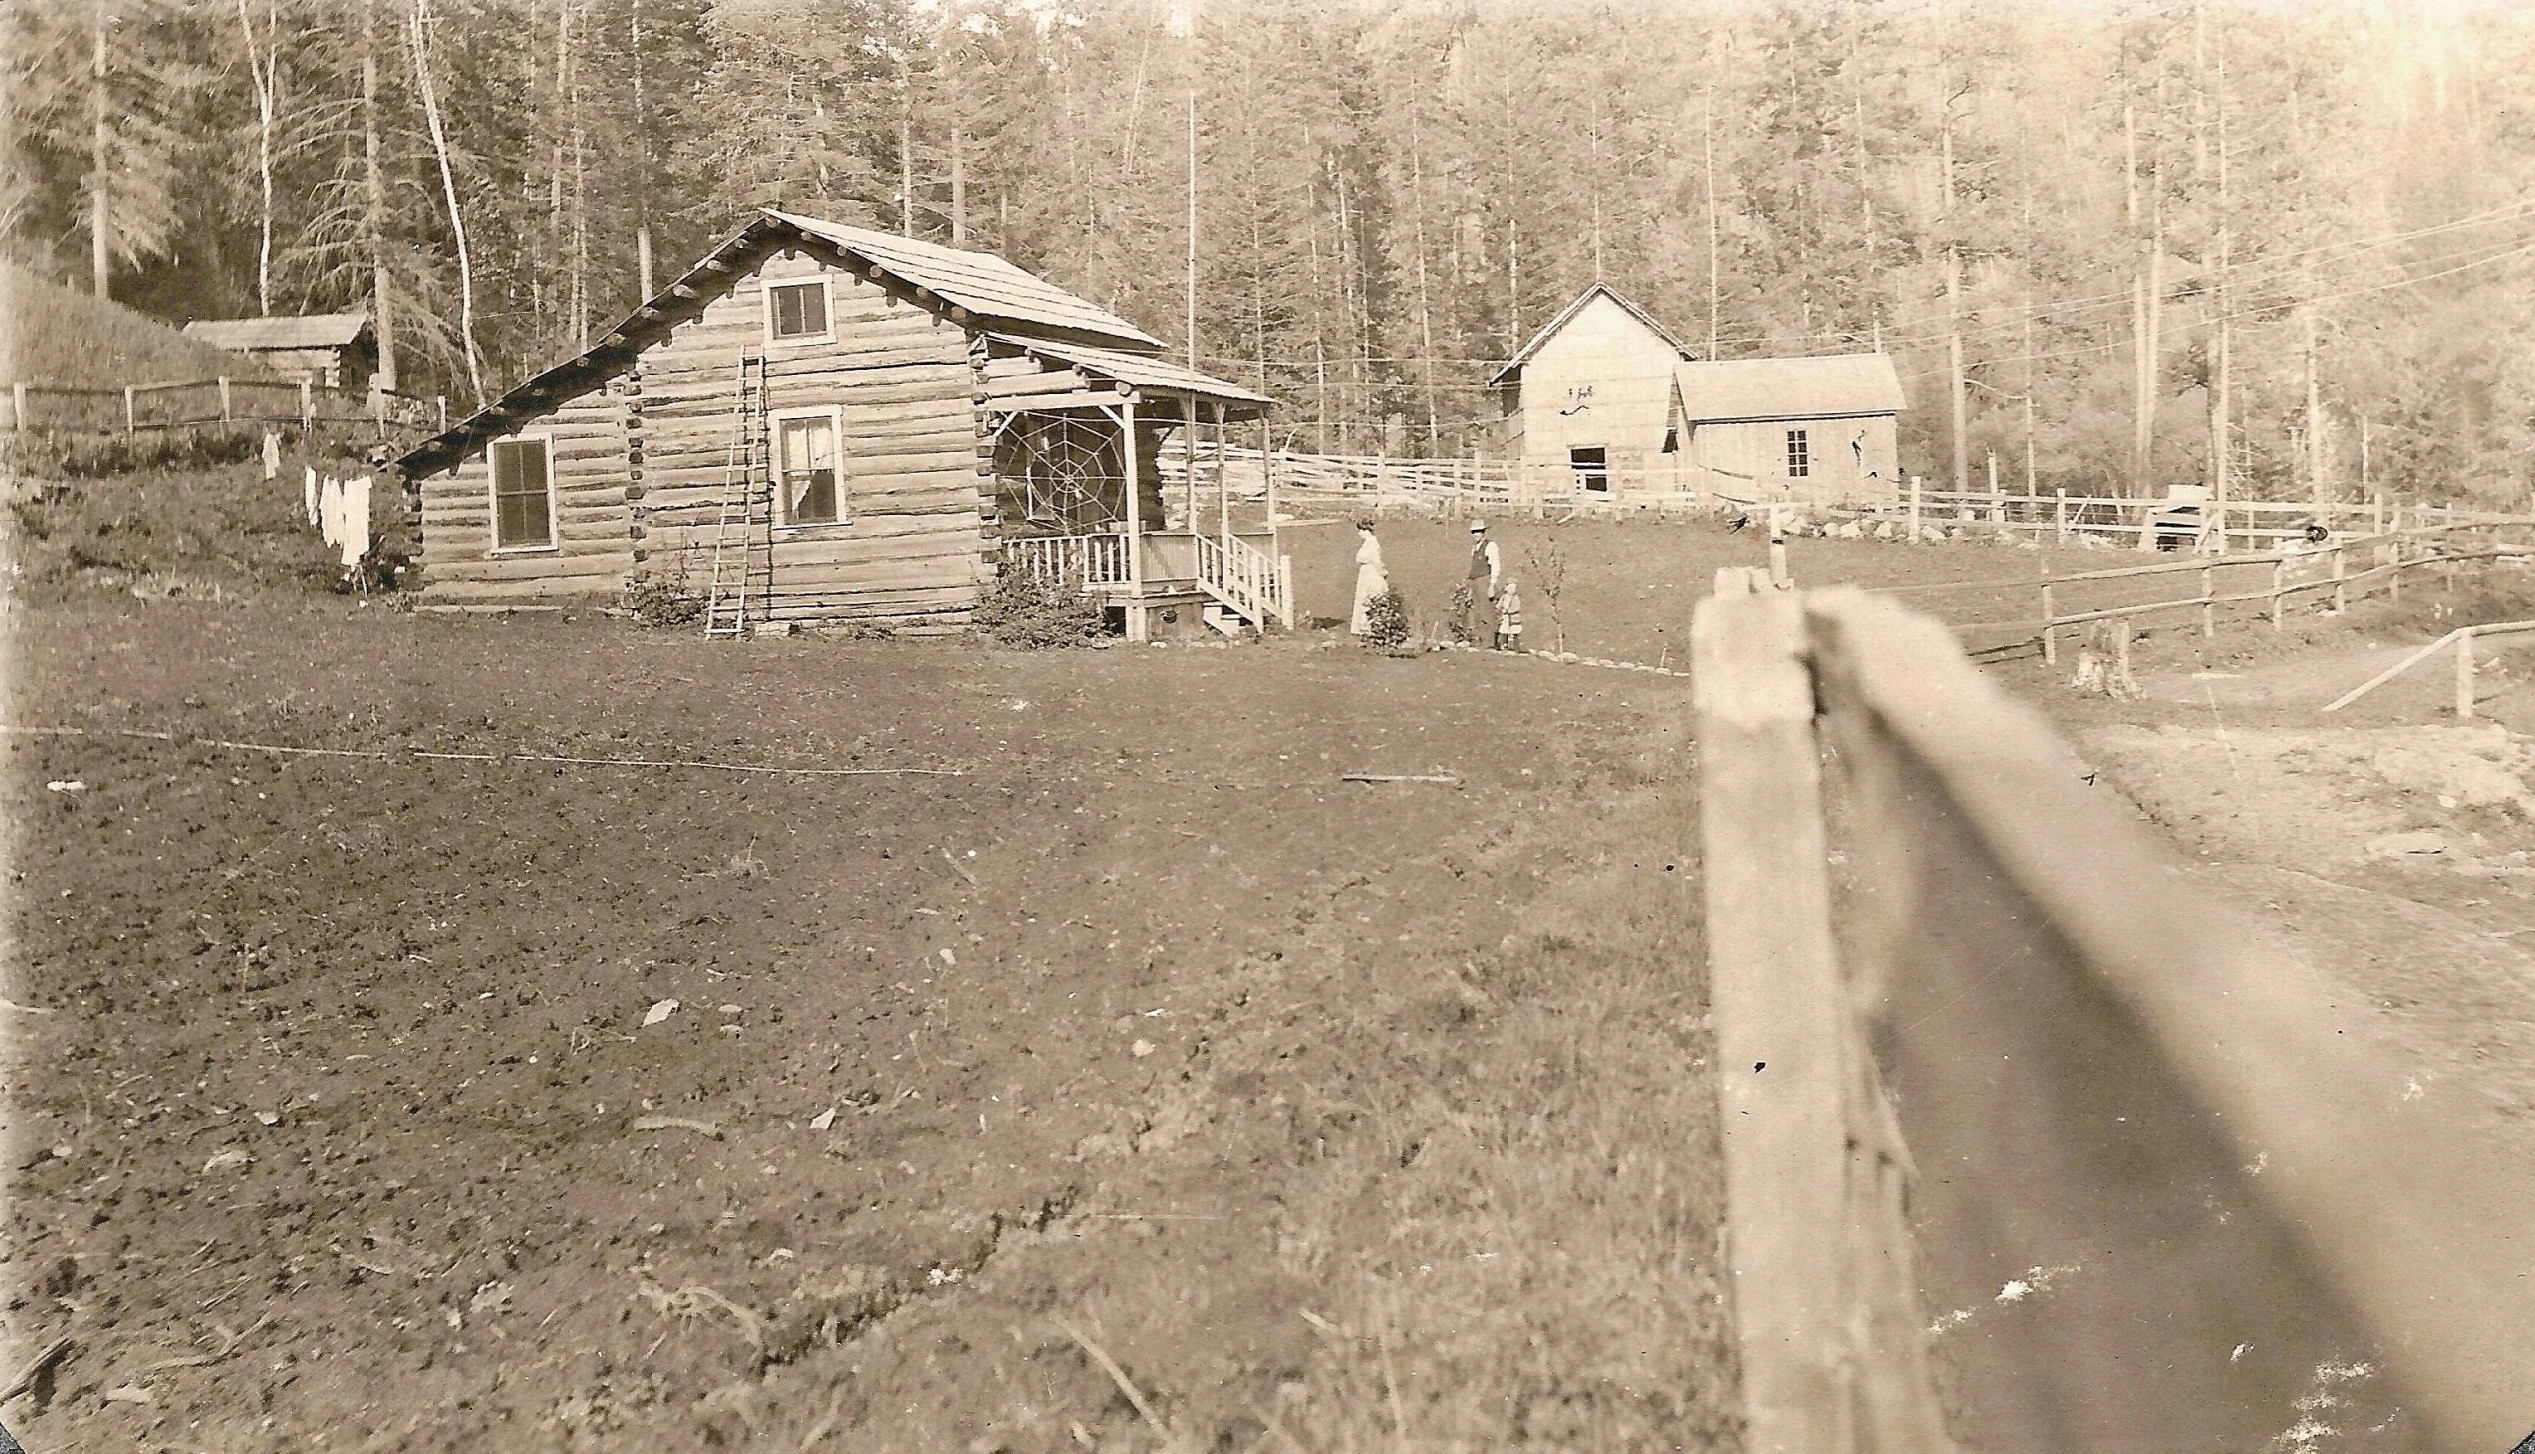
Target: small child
point(1509, 616)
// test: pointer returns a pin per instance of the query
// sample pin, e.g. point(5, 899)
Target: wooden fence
point(2166, 1194)
point(132, 408)
point(2461, 642)
point(2290, 572)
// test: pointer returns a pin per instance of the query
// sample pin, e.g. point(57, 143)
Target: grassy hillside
point(50, 334)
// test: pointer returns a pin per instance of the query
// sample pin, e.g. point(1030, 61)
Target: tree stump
point(2103, 662)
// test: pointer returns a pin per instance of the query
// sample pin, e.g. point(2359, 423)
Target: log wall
point(645, 463)
point(911, 552)
point(594, 541)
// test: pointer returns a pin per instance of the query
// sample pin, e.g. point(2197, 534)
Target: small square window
point(523, 495)
point(1592, 467)
point(1672, 440)
point(807, 475)
point(1799, 455)
point(797, 310)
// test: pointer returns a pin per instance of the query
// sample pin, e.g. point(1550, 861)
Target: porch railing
point(1245, 578)
point(1080, 561)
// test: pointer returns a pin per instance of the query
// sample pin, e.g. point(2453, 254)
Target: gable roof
point(981, 282)
point(1550, 329)
point(973, 287)
point(1137, 370)
point(312, 330)
point(1731, 390)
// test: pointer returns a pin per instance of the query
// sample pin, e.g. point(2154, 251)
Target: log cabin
point(329, 350)
point(823, 425)
point(1605, 393)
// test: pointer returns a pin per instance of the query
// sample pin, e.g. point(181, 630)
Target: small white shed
point(1819, 430)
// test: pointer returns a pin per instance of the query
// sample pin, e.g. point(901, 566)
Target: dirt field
point(1142, 1053)
point(1310, 1104)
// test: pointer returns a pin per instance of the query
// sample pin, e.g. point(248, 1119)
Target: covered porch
point(1111, 477)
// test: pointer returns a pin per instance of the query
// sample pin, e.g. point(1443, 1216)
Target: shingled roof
point(258, 335)
point(977, 289)
point(981, 282)
point(1138, 371)
point(1828, 387)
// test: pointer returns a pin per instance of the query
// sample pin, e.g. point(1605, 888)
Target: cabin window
point(1799, 455)
point(796, 312)
point(523, 494)
point(1589, 461)
point(809, 475)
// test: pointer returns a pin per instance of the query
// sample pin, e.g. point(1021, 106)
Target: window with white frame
point(1591, 464)
point(797, 312)
point(1799, 454)
point(523, 493)
point(809, 469)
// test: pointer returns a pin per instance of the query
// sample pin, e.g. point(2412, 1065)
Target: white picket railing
point(1080, 561)
point(1244, 577)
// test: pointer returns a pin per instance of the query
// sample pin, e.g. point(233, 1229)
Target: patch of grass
point(1030, 611)
point(226, 524)
point(61, 336)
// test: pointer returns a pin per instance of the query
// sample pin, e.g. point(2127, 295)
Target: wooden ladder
point(736, 529)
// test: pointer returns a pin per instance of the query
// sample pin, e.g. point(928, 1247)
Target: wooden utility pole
point(374, 185)
point(1425, 313)
point(2142, 363)
point(1707, 143)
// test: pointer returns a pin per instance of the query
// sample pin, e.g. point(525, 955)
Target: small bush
point(1386, 619)
point(1457, 617)
point(665, 598)
point(1026, 610)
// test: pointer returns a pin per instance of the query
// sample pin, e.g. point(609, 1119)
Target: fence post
point(17, 406)
point(1781, 1016)
point(2209, 600)
point(128, 424)
point(2050, 629)
point(2394, 574)
point(2341, 593)
point(307, 405)
point(1285, 590)
point(1914, 510)
point(224, 398)
point(2464, 675)
point(2059, 514)
point(443, 401)
point(2278, 579)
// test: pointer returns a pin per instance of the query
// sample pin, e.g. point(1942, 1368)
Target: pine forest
point(2102, 239)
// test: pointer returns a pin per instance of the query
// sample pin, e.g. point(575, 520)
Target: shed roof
point(1138, 370)
point(1726, 391)
point(981, 282)
point(254, 335)
point(1550, 329)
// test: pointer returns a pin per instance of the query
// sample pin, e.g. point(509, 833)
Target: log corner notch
point(1832, 1356)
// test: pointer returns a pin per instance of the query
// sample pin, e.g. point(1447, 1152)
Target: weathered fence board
point(2171, 1186)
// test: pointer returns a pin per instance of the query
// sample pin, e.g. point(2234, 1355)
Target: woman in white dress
point(1372, 581)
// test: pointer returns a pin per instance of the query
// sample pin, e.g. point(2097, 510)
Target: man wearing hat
point(1485, 569)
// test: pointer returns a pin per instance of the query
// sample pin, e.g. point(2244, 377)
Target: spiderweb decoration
point(1070, 473)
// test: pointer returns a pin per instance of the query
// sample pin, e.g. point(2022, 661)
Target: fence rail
point(181, 403)
point(2178, 1184)
point(2292, 572)
point(1078, 561)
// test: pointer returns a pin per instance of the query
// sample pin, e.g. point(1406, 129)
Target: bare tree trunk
point(1707, 145)
point(558, 248)
point(263, 65)
point(580, 220)
point(375, 187)
point(642, 173)
point(959, 145)
point(2220, 400)
point(1425, 313)
point(2314, 415)
point(906, 162)
point(1953, 289)
point(100, 163)
point(419, 32)
point(2142, 366)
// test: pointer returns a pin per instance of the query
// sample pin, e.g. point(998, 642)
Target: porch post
point(1188, 448)
point(1223, 482)
point(1135, 523)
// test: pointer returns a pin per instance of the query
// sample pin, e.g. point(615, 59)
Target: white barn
point(1591, 390)
point(1606, 394)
